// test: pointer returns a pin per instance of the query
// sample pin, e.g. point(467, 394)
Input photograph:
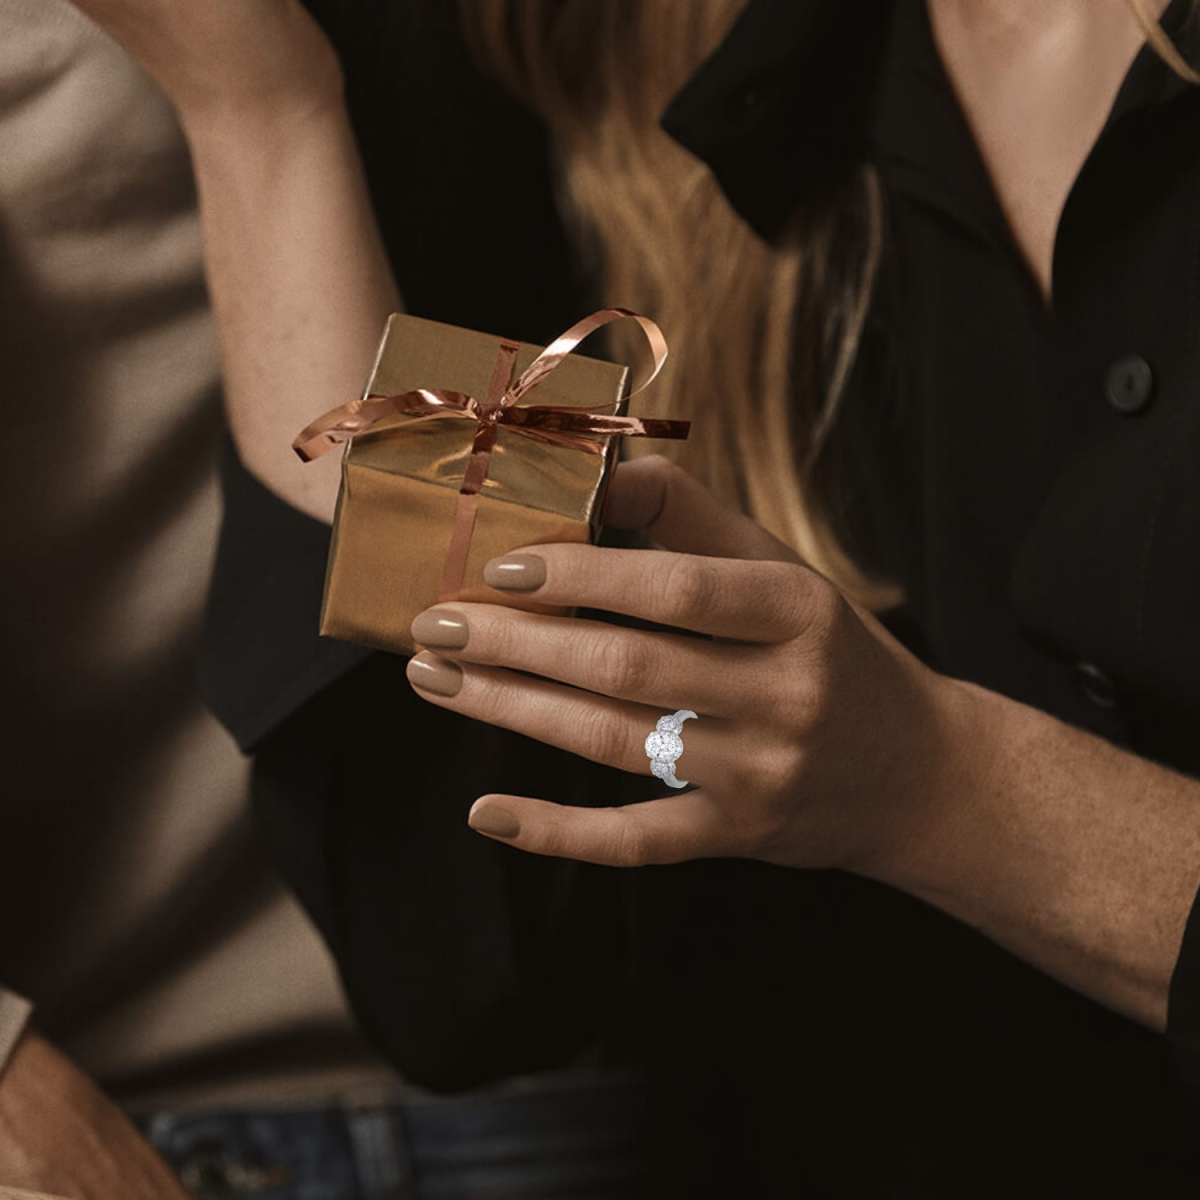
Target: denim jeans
point(561, 1142)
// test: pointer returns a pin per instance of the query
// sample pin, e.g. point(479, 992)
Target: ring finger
point(595, 727)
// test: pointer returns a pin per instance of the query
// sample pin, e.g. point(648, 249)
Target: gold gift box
point(401, 478)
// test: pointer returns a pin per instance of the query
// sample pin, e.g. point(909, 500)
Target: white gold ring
point(665, 745)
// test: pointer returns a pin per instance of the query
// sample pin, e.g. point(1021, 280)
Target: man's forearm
point(60, 1134)
point(299, 281)
point(1080, 858)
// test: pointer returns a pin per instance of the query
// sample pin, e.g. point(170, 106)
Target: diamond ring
point(665, 745)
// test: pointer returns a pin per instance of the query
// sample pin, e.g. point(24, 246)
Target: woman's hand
point(260, 56)
point(818, 734)
point(821, 742)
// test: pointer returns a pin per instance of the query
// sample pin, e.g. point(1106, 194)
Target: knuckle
point(821, 632)
point(828, 613)
point(689, 586)
point(627, 845)
point(665, 469)
point(782, 769)
point(811, 700)
point(487, 697)
point(490, 631)
point(603, 735)
point(553, 837)
point(624, 667)
point(805, 600)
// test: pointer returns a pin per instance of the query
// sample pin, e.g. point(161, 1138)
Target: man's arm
point(60, 1134)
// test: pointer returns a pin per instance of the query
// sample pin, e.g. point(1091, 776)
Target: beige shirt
point(138, 912)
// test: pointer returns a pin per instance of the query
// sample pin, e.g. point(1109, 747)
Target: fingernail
point(444, 628)
point(515, 573)
point(490, 818)
point(437, 675)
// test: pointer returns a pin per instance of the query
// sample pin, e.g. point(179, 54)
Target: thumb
point(681, 514)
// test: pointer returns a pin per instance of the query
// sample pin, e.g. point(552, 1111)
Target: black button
point(1095, 685)
point(749, 98)
point(1130, 384)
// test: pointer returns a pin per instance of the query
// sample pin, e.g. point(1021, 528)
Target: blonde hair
point(1161, 44)
point(763, 335)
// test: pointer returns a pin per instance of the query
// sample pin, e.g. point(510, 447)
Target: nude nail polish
point(515, 573)
point(433, 674)
point(444, 629)
point(491, 818)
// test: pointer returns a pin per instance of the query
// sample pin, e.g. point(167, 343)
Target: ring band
point(664, 746)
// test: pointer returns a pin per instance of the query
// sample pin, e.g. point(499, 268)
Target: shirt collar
point(918, 135)
point(778, 112)
point(1150, 80)
point(800, 90)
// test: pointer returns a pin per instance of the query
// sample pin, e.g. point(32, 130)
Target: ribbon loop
point(566, 342)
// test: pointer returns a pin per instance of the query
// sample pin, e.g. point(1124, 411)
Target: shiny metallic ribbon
point(558, 425)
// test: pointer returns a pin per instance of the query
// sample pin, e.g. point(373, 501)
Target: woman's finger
point(680, 513)
point(659, 669)
point(592, 726)
point(764, 601)
point(673, 829)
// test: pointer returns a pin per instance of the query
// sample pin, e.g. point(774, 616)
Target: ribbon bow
point(576, 428)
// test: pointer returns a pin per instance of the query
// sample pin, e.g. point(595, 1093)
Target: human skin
point(820, 740)
point(60, 1134)
point(823, 743)
point(298, 279)
point(1035, 82)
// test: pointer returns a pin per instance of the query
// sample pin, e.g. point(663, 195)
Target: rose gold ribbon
point(559, 425)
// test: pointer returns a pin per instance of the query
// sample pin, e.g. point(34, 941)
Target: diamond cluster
point(664, 743)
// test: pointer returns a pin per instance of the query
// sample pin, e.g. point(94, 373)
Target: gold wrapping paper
point(401, 479)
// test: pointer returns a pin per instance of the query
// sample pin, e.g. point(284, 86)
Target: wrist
point(1073, 854)
point(949, 814)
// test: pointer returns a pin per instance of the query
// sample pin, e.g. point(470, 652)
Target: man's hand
point(60, 1134)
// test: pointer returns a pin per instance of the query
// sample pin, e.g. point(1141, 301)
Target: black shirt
point(1030, 480)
